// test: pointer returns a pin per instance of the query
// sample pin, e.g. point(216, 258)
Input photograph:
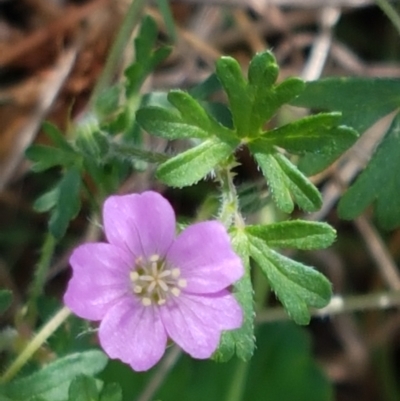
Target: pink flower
point(146, 286)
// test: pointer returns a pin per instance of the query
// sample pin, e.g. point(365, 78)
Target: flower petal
point(143, 223)
point(204, 255)
point(100, 278)
point(195, 322)
point(134, 334)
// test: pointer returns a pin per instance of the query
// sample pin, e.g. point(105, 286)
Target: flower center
point(154, 282)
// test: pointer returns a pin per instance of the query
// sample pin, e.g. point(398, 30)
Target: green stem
point(47, 330)
point(229, 212)
point(236, 390)
point(165, 10)
point(390, 12)
point(41, 270)
point(131, 19)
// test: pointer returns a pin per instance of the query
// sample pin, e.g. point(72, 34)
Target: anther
point(175, 272)
point(137, 289)
point(134, 275)
point(182, 283)
point(176, 291)
point(146, 301)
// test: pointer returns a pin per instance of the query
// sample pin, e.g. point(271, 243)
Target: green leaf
point(191, 166)
point(313, 134)
point(358, 99)
point(303, 190)
point(47, 201)
point(5, 300)
point(52, 382)
point(83, 388)
point(147, 59)
point(286, 181)
point(254, 102)
point(299, 234)
point(190, 109)
point(68, 204)
point(111, 392)
point(276, 179)
point(107, 102)
point(297, 286)
point(56, 136)
point(167, 124)
point(45, 157)
point(379, 183)
point(240, 341)
point(267, 98)
point(235, 86)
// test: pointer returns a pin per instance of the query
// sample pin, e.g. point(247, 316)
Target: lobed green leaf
point(191, 166)
point(240, 102)
point(299, 234)
point(83, 388)
point(379, 183)
point(68, 202)
point(297, 286)
point(45, 157)
point(167, 124)
point(52, 381)
point(360, 102)
point(286, 182)
point(318, 133)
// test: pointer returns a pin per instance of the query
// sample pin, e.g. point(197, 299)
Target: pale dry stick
point(379, 252)
point(340, 305)
point(158, 378)
point(201, 46)
point(50, 88)
point(284, 3)
point(253, 39)
point(66, 22)
point(322, 44)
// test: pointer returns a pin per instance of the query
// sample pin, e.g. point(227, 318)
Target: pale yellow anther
point(154, 258)
point(176, 291)
point(175, 272)
point(182, 283)
point(137, 289)
point(161, 302)
point(134, 275)
point(146, 301)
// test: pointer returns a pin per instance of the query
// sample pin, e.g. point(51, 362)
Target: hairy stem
point(46, 331)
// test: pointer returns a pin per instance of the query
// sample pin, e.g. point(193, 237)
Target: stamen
point(182, 283)
point(134, 275)
point(154, 258)
point(165, 273)
point(151, 286)
point(146, 301)
point(175, 291)
point(146, 278)
point(137, 289)
point(153, 281)
point(163, 285)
